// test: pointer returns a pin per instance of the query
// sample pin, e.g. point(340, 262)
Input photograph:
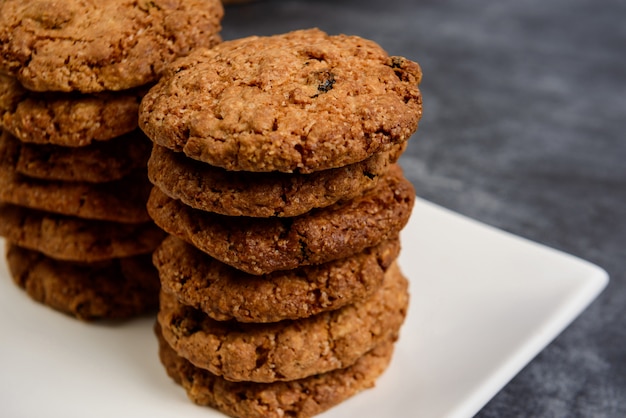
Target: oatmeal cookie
point(302, 101)
point(96, 45)
point(286, 350)
point(299, 398)
point(240, 193)
point(225, 293)
point(111, 289)
point(74, 239)
point(263, 245)
point(67, 119)
point(121, 201)
point(95, 163)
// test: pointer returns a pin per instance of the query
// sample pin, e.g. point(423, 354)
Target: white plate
point(483, 304)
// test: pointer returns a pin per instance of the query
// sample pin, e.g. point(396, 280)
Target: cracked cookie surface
point(299, 398)
point(95, 163)
point(112, 289)
point(75, 239)
point(67, 119)
point(104, 201)
point(263, 245)
point(224, 293)
point(97, 45)
point(302, 101)
point(286, 350)
point(240, 193)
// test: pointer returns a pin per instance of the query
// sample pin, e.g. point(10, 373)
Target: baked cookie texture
point(275, 176)
point(97, 45)
point(299, 398)
point(72, 119)
point(224, 293)
point(286, 350)
point(101, 162)
point(299, 102)
point(263, 245)
point(73, 179)
point(85, 200)
point(112, 289)
point(75, 239)
point(213, 189)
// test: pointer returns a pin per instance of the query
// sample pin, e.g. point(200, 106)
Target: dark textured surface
point(523, 128)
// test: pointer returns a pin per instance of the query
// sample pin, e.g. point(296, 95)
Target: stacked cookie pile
point(275, 177)
point(73, 181)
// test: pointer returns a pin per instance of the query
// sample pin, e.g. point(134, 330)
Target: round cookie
point(223, 293)
point(118, 201)
point(240, 193)
point(72, 120)
point(96, 45)
point(302, 101)
point(113, 289)
point(74, 239)
point(286, 350)
point(95, 163)
point(263, 245)
point(104, 201)
point(299, 398)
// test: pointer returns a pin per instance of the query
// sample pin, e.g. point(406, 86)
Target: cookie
point(74, 239)
point(223, 293)
point(240, 193)
point(118, 201)
point(302, 101)
point(112, 289)
point(122, 200)
point(96, 45)
point(72, 120)
point(95, 163)
point(299, 398)
point(263, 245)
point(286, 350)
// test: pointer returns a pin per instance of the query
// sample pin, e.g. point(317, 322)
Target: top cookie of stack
point(302, 102)
point(275, 172)
point(73, 167)
point(97, 45)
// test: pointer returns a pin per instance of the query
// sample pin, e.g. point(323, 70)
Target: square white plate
point(483, 304)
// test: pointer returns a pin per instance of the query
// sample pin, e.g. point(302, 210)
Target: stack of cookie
point(275, 177)
point(73, 181)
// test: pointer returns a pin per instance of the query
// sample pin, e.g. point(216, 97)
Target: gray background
point(523, 129)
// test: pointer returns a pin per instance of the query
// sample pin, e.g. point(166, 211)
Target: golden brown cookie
point(122, 200)
point(97, 45)
point(302, 101)
point(263, 245)
point(286, 350)
point(224, 293)
point(119, 201)
point(67, 119)
point(214, 189)
point(69, 238)
point(95, 163)
point(112, 289)
point(299, 398)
